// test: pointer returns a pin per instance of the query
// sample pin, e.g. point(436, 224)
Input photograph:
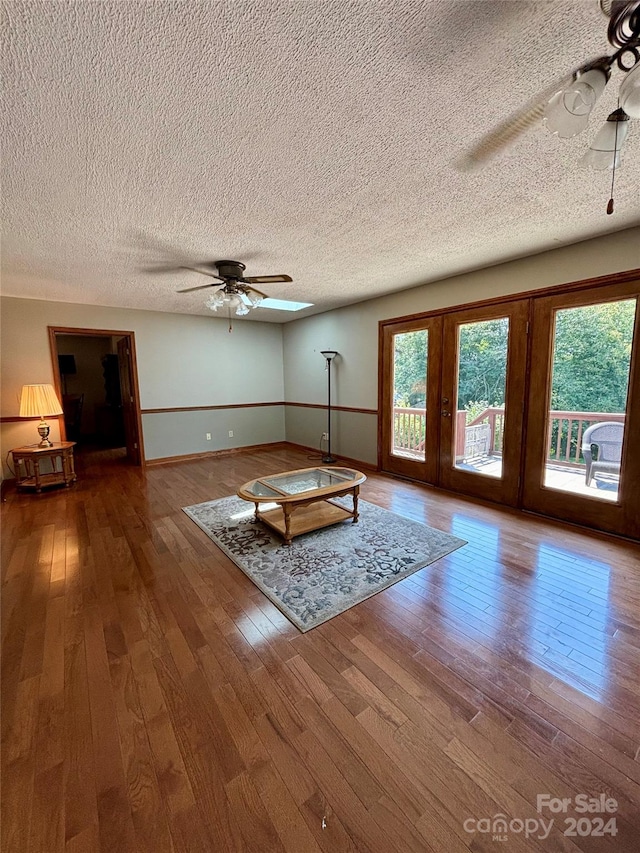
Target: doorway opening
point(95, 376)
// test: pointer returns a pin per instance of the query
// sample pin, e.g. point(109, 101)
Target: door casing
point(135, 446)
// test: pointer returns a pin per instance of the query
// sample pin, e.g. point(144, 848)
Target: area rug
point(324, 573)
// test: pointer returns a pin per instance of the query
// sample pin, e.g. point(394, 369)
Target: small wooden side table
point(29, 469)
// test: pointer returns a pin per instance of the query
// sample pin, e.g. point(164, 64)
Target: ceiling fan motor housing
point(231, 269)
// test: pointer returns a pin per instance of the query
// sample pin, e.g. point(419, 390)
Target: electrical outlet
point(230, 433)
point(325, 436)
point(208, 436)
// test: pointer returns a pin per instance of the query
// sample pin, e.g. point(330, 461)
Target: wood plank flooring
point(154, 700)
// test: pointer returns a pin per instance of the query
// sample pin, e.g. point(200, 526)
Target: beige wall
point(353, 332)
point(193, 361)
point(182, 361)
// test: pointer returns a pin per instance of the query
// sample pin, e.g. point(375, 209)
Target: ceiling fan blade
point(267, 279)
point(199, 287)
point(507, 132)
point(203, 272)
point(162, 268)
point(258, 292)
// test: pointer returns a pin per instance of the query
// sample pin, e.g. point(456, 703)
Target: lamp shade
point(38, 401)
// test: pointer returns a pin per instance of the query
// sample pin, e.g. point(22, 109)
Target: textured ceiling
point(313, 138)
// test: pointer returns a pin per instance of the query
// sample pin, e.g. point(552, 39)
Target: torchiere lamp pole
point(329, 356)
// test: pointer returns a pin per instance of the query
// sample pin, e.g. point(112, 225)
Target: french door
point(586, 374)
point(497, 401)
point(453, 398)
point(410, 428)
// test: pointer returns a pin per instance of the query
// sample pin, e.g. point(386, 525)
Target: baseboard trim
point(252, 448)
point(227, 451)
point(359, 464)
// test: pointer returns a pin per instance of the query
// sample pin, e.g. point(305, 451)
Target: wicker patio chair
point(606, 438)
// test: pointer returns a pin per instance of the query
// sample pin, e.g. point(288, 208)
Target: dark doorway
point(96, 377)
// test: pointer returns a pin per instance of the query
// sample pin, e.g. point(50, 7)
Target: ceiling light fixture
point(568, 110)
point(566, 106)
point(237, 292)
point(235, 297)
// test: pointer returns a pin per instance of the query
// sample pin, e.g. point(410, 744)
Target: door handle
point(445, 414)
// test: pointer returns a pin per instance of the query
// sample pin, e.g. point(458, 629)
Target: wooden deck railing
point(409, 429)
point(564, 441)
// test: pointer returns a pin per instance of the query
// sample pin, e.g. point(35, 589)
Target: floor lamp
point(329, 355)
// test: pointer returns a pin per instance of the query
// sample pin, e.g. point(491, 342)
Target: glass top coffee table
point(304, 499)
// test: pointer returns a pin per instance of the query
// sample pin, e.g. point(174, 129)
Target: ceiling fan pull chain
point(613, 170)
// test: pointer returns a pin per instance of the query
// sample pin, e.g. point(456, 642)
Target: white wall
point(182, 361)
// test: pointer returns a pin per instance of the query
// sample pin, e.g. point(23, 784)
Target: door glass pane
point(408, 431)
point(590, 380)
point(482, 377)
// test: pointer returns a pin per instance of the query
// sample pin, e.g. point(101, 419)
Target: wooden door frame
point(580, 291)
point(55, 331)
point(623, 516)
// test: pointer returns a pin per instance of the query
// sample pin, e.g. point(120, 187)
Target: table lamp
point(38, 401)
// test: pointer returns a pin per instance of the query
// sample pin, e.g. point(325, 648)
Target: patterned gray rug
point(326, 572)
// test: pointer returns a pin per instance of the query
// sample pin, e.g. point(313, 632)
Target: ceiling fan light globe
point(567, 112)
point(605, 152)
point(216, 300)
point(600, 161)
point(242, 309)
point(629, 95)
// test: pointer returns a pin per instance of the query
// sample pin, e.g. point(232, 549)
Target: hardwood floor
point(154, 699)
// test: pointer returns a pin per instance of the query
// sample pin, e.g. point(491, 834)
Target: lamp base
point(43, 430)
point(329, 459)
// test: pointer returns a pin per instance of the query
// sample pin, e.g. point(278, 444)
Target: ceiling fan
point(236, 293)
point(565, 106)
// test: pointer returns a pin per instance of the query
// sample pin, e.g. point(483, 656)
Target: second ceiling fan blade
point(258, 292)
point(203, 272)
point(267, 279)
point(198, 287)
point(495, 141)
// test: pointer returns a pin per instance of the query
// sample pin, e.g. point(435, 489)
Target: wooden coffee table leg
point(256, 504)
point(355, 504)
point(286, 509)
